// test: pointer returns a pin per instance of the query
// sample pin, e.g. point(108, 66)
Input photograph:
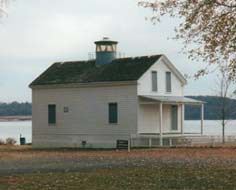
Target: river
point(14, 129)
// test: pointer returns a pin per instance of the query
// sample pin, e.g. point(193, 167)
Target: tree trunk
point(223, 132)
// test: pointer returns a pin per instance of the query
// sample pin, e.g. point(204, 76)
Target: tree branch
point(225, 5)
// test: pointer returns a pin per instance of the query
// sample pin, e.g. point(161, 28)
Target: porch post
point(182, 119)
point(202, 118)
point(161, 143)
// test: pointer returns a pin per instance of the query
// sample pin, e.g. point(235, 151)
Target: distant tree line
point(212, 108)
point(191, 112)
point(15, 108)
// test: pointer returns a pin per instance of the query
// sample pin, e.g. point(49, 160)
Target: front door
point(174, 117)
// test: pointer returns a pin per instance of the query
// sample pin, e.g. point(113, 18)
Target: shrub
point(2, 142)
point(10, 141)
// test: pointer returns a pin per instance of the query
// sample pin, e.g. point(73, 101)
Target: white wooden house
point(95, 103)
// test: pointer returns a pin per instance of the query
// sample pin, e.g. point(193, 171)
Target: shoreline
point(15, 118)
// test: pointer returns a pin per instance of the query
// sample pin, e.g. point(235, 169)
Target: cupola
point(106, 50)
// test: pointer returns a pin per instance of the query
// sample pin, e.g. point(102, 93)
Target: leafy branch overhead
point(207, 28)
point(3, 4)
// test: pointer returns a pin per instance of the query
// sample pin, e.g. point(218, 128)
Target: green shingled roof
point(124, 69)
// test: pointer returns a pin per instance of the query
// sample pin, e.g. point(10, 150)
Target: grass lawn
point(141, 169)
point(140, 178)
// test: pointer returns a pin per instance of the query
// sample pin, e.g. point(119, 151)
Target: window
point(66, 109)
point(113, 113)
point(174, 117)
point(52, 114)
point(107, 47)
point(154, 81)
point(168, 81)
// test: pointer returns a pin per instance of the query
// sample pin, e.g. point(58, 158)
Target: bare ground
point(15, 118)
point(16, 160)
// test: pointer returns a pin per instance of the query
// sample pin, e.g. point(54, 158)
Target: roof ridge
point(143, 56)
point(80, 61)
point(123, 58)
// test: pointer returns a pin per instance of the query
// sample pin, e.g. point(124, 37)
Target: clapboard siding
point(145, 82)
point(87, 116)
point(149, 118)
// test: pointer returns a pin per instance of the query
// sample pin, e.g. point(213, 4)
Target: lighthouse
point(106, 51)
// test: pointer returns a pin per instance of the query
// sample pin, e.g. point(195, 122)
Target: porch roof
point(170, 99)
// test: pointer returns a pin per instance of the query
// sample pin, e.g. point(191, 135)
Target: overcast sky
point(37, 33)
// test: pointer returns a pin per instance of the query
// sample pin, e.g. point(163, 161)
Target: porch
point(187, 140)
point(164, 116)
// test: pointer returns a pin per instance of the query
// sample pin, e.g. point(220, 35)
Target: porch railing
point(181, 141)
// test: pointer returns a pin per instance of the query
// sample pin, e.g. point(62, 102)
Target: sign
point(122, 144)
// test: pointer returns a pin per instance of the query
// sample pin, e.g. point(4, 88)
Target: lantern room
point(105, 51)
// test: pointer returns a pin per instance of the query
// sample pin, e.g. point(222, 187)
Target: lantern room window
point(106, 48)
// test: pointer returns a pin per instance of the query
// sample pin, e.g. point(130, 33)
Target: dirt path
point(18, 160)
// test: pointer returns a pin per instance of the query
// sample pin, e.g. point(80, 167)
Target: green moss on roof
point(124, 69)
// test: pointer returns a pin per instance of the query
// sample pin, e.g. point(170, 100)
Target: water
point(13, 129)
point(211, 127)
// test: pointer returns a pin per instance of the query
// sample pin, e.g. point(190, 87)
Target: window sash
point(168, 81)
point(154, 81)
point(52, 114)
point(113, 113)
